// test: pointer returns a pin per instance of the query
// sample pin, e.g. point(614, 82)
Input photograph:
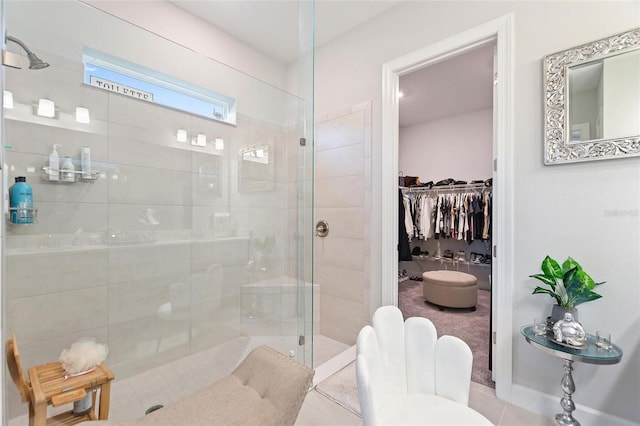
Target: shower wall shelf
point(78, 176)
point(27, 214)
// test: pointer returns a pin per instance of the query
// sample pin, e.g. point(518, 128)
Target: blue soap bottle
point(21, 201)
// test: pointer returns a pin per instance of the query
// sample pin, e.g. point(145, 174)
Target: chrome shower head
point(35, 63)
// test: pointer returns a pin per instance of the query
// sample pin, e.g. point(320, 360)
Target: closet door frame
point(500, 31)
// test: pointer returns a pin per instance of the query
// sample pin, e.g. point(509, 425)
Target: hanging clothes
point(486, 214)
point(455, 215)
point(408, 219)
point(427, 229)
point(404, 249)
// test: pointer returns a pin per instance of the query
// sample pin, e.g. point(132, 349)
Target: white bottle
point(85, 162)
point(53, 172)
point(84, 405)
point(67, 170)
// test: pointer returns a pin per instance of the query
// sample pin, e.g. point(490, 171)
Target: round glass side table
point(591, 354)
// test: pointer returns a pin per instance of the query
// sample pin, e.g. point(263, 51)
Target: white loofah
point(83, 355)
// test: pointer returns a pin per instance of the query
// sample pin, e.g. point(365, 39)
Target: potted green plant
point(568, 284)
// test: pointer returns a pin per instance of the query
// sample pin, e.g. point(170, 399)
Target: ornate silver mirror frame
point(558, 148)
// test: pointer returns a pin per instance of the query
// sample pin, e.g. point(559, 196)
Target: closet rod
point(446, 188)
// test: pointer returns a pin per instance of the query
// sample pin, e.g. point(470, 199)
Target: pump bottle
point(67, 170)
point(53, 173)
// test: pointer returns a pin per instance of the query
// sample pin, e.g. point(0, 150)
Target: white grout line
point(504, 410)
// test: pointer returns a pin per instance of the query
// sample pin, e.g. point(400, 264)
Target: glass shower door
point(190, 236)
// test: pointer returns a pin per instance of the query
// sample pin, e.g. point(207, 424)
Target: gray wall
point(588, 211)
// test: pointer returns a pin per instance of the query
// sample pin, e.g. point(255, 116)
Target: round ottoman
point(451, 289)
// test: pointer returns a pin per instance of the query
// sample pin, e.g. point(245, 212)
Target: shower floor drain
point(153, 408)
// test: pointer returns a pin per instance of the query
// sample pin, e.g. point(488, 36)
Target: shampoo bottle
point(21, 201)
point(53, 173)
point(67, 170)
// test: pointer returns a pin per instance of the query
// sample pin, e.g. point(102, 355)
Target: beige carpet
point(342, 389)
point(470, 326)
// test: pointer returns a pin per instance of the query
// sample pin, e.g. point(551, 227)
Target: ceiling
point(271, 26)
point(456, 86)
point(452, 87)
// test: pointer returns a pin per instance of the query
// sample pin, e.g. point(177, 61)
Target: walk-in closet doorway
point(446, 139)
point(499, 32)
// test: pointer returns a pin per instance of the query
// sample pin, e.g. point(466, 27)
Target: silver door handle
point(322, 228)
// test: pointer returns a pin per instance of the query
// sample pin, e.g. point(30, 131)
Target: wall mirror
point(255, 168)
point(592, 100)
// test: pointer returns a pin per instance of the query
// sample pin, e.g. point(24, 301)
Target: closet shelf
point(446, 188)
point(451, 261)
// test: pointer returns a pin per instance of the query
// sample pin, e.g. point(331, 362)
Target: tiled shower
point(174, 248)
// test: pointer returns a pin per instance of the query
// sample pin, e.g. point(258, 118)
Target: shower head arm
point(35, 63)
point(19, 43)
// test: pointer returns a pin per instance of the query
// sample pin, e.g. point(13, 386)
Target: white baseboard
point(549, 405)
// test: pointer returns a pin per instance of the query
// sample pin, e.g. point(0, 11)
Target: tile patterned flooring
point(320, 411)
point(130, 397)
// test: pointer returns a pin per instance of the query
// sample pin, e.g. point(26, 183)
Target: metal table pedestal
point(590, 354)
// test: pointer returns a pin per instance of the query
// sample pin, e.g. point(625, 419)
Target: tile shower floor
point(132, 396)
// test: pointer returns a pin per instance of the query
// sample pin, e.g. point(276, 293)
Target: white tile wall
point(141, 262)
point(344, 191)
point(209, 180)
point(341, 131)
point(132, 219)
point(140, 299)
point(144, 185)
point(67, 218)
point(340, 318)
point(342, 195)
point(54, 272)
point(343, 252)
point(40, 318)
point(346, 222)
point(339, 161)
point(145, 115)
point(341, 282)
point(232, 252)
point(143, 147)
